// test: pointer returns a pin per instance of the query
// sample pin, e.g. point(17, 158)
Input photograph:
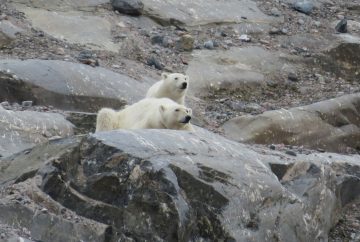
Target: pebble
point(341, 27)
point(304, 6)
point(152, 61)
point(275, 12)
point(27, 104)
point(209, 44)
point(157, 39)
point(290, 152)
point(186, 42)
point(272, 147)
point(245, 38)
point(301, 21)
point(130, 7)
point(292, 77)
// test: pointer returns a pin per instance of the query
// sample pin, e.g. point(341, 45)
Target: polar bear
point(173, 86)
point(149, 113)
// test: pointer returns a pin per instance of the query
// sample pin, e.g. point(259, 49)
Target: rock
point(8, 32)
point(341, 27)
point(153, 61)
point(22, 130)
point(332, 125)
point(92, 31)
point(61, 5)
point(304, 6)
point(84, 122)
point(113, 186)
point(26, 104)
point(209, 44)
point(301, 22)
point(293, 77)
point(157, 39)
point(67, 86)
point(290, 152)
point(88, 57)
point(186, 42)
point(342, 57)
point(233, 69)
point(275, 12)
point(203, 12)
point(245, 38)
point(131, 7)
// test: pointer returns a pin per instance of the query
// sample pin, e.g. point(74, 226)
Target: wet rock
point(66, 85)
point(331, 125)
point(341, 27)
point(209, 45)
point(186, 42)
point(154, 62)
point(304, 6)
point(21, 130)
point(131, 7)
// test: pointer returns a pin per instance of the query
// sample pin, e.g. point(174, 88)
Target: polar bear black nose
point(184, 85)
point(187, 118)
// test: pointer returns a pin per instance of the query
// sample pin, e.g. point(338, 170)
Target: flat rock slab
point(332, 125)
point(24, 129)
point(201, 12)
point(67, 85)
point(61, 5)
point(232, 69)
point(92, 31)
point(152, 184)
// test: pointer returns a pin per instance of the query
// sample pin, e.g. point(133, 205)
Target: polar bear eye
point(177, 110)
point(176, 78)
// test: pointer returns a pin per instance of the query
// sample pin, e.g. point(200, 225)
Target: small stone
point(245, 38)
point(186, 42)
point(284, 31)
point(60, 51)
point(157, 39)
point(275, 12)
point(115, 66)
point(265, 42)
point(130, 7)
point(301, 22)
point(272, 147)
point(209, 44)
point(341, 27)
point(304, 6)
point(167, 42)
point(320, 150)
point(27, 104)
point(292, 77)
point(317, 23)
point(290, 152)
point(152, 61)
point(2, 235)
point(276, 31)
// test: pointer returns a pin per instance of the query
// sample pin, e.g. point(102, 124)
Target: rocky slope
point(280, 75)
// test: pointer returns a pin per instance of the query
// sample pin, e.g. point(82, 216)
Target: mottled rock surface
point(168, 185)
point(333, 125)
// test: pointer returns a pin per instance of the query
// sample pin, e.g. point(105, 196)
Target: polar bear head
point(175, 116)
point(177, 81)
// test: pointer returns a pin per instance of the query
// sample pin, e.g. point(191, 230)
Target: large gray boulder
point(194, 13)
point(332, 125)
point(67, 85)
point(21, 130)
point(168, 185)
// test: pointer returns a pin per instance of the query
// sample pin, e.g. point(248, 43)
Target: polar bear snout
point(186, 119)
point(184, 85)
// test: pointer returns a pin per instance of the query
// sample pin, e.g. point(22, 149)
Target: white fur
point(149, 113)
point(170, 86)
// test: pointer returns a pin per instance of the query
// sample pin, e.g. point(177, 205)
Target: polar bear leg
point(105, 119)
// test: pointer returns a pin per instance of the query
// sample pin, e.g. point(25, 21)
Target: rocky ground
point(242, 60)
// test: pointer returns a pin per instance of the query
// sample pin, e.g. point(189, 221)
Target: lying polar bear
point(173, 86)
point(149, 113)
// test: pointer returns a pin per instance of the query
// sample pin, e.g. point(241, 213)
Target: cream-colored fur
point(173, 86)
point(149, 113)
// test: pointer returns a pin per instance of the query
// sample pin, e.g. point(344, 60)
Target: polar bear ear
point(164, 75)
point(162, 108)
